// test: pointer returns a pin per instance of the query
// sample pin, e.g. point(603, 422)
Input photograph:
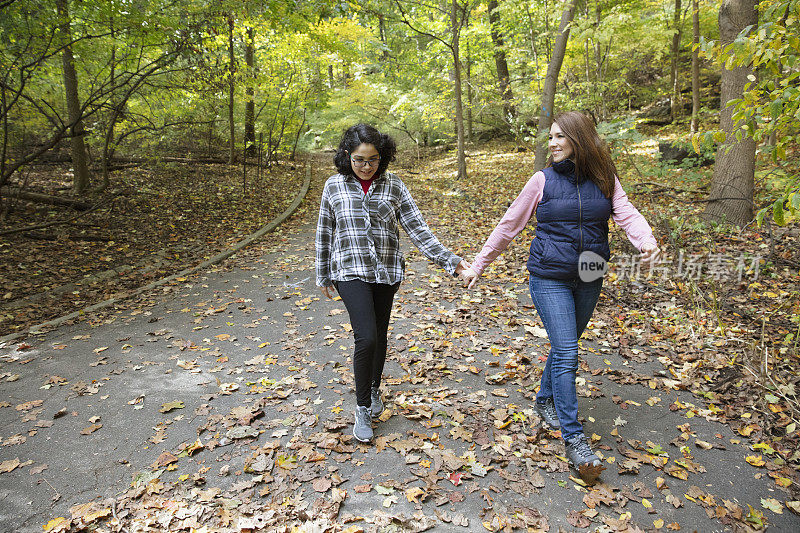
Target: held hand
point(328, 292)
point(462, 266)
point(469, 277)
point(649, 253)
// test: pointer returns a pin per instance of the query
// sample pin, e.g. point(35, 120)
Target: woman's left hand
point(649, 253)
point(329, 291)
point(462, 266)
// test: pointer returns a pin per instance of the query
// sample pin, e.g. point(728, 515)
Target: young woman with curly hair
point(358, 253)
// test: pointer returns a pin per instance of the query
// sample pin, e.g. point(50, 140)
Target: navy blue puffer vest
point(572, 217)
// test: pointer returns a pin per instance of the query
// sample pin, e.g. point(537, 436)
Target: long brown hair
point(589, 152)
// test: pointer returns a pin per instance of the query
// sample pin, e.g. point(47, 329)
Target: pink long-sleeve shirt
point(524, 206)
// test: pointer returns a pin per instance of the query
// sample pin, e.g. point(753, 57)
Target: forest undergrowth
point(151, 223)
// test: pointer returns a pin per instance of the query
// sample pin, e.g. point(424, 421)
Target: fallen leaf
point(91, 429)
point(322, 484)
point(413, 494)
point(164, 459)
point(577, 519)
point(195, 447)
point(57, 525)
point(772, 504)
point(27, 406)
point(8, 466)
point(38, 469)
point(169, 406)
point(755, 460)
point(383, 491)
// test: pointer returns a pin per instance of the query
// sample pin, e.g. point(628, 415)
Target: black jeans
point(369, 306)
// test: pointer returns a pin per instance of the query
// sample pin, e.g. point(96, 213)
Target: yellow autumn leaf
point(755, 460)
point(579, 481)
point(677, 472)
point(56, 525)
point(413, 494)
point(91, 517)
point(499, 424)
point(646, 503)
point(746, 430)
point(658, 523)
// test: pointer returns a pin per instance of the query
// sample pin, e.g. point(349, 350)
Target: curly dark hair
point(364, 134)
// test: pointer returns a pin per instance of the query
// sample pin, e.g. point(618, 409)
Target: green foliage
point(770, 106)
point(321, 66)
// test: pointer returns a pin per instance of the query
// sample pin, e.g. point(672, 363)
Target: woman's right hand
point(329, 291)
point(650, 253)
point(469, 277)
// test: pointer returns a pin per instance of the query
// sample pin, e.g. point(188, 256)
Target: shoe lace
point(550, 409)
point(363, 416)
point(581, 447)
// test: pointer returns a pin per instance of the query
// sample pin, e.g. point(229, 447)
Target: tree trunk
point(297, 137)
point(456, 29)
point(250, 105)
point(599, 59)
point(675, 101)
point(695, 65)
point(550, 82)
point(77, 132)
point(4, 150)
point(231, 72)
point(46, 199)
point(731, 192)
point(469, 95)
point(382, 29)
point(503, 76)
point(590, 87)
point(115, 105)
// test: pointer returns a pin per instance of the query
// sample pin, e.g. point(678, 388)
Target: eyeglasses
point(360, 163)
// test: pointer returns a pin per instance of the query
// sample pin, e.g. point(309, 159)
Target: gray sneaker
point(547, 412)
point(582, 457)
point(362, 428)
point(377, 403)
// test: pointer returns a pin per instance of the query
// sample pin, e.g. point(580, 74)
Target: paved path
point(231, 392)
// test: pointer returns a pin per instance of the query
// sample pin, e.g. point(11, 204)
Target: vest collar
point(566, 167)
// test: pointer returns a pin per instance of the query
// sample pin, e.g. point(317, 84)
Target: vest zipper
point(580, 217)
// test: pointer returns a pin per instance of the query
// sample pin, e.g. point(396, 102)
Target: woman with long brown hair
point(573, 198)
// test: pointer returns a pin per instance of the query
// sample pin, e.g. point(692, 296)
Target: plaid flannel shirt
point(358, 234)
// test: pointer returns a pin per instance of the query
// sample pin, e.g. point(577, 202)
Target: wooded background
point(101, 82)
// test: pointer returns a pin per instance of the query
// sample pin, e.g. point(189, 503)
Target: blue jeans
point(565, 308)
